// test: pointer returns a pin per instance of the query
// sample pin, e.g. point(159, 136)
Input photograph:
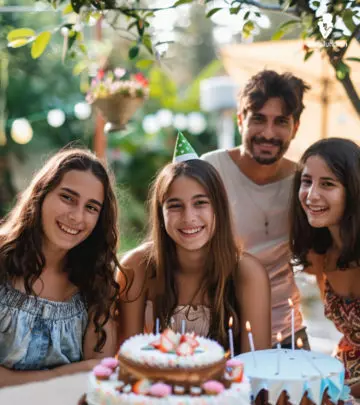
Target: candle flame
point(279, 337)
point(290, 302)
point(230, 321)
point(299, 343)
point(248, 326)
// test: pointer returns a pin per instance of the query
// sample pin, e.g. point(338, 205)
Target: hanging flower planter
point(117, 99)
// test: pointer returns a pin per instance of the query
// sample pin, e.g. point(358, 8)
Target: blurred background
point(198, 67)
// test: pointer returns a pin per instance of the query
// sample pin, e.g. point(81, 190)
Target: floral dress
point(345, 314)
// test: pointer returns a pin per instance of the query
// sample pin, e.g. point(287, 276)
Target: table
point(58, 391)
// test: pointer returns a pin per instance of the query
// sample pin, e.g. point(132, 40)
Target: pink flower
point(140, 78)
point(100, 74)
point(119, 73)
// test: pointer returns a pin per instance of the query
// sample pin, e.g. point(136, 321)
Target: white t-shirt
point(252, 206)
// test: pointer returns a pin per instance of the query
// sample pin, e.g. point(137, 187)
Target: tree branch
point(346, 82)
point(153, 10)
point(269, 7)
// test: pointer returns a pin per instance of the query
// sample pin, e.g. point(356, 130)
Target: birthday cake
point(168, 369)
point(298, 373)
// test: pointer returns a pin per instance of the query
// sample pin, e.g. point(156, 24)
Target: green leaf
point(17, 43)
point(316, 4)
point(83, 49)
point(146, 40)
point(133, 52)
point(247, 29)
point(144, 63)
point(68, 9)
point(40, 44)
point(132, 25)
point(20, 33)
point(342, 70)
point(213, 11)
point(307, 55)
point(79, 67)
point(76, 5)
point(353, 59)
point(348, 20)
point(246, 16)
point(234, 10)
point(285, 28)
point(180, 2)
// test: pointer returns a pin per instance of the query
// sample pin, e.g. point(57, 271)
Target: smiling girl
point(57, 262)
point(325, 238)
point(191, 268)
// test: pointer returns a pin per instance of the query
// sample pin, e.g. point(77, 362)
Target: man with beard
point(258, 180)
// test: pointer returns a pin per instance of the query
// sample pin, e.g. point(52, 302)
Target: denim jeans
point(36, 333)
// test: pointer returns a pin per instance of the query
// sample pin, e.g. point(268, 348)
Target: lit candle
point(278, 346)
point(292, 324)
point(231, 337)
point(183, 327)
point(251, 340)
point(157, 326)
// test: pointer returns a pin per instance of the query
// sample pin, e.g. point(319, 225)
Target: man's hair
point(270, 84)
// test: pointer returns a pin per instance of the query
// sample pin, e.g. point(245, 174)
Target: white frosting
point(295, 371)
point(104, 392)
point(208, 352)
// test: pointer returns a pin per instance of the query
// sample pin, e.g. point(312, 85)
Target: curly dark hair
point(270, 84)
point(342, 156)
point(223, 256)
point(91, 264)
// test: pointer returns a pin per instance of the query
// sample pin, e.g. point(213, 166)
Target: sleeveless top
point(38, 334)
point(197, 318)
point(345, 314)
point(252, 205)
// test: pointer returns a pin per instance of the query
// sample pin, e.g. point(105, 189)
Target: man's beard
point(263, 160)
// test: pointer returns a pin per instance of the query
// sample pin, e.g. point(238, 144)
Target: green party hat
point(183, 150)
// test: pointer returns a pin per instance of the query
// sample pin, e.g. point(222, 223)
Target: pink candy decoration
point(213, 387)
point(102, 371)
point(234, 363)
point(110, 362)
point(160, 390)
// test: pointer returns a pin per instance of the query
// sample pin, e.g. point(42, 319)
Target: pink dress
point(345, 314)
point(197, 318)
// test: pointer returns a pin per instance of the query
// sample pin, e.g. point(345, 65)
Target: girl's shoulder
point(250, 269)
point(133, 271)
point(137, 257)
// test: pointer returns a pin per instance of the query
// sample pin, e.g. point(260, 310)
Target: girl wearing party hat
point(190, 273)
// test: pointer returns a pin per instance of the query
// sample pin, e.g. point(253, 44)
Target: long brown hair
point(342, 156)
point(91, 264)
point(223, 256)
